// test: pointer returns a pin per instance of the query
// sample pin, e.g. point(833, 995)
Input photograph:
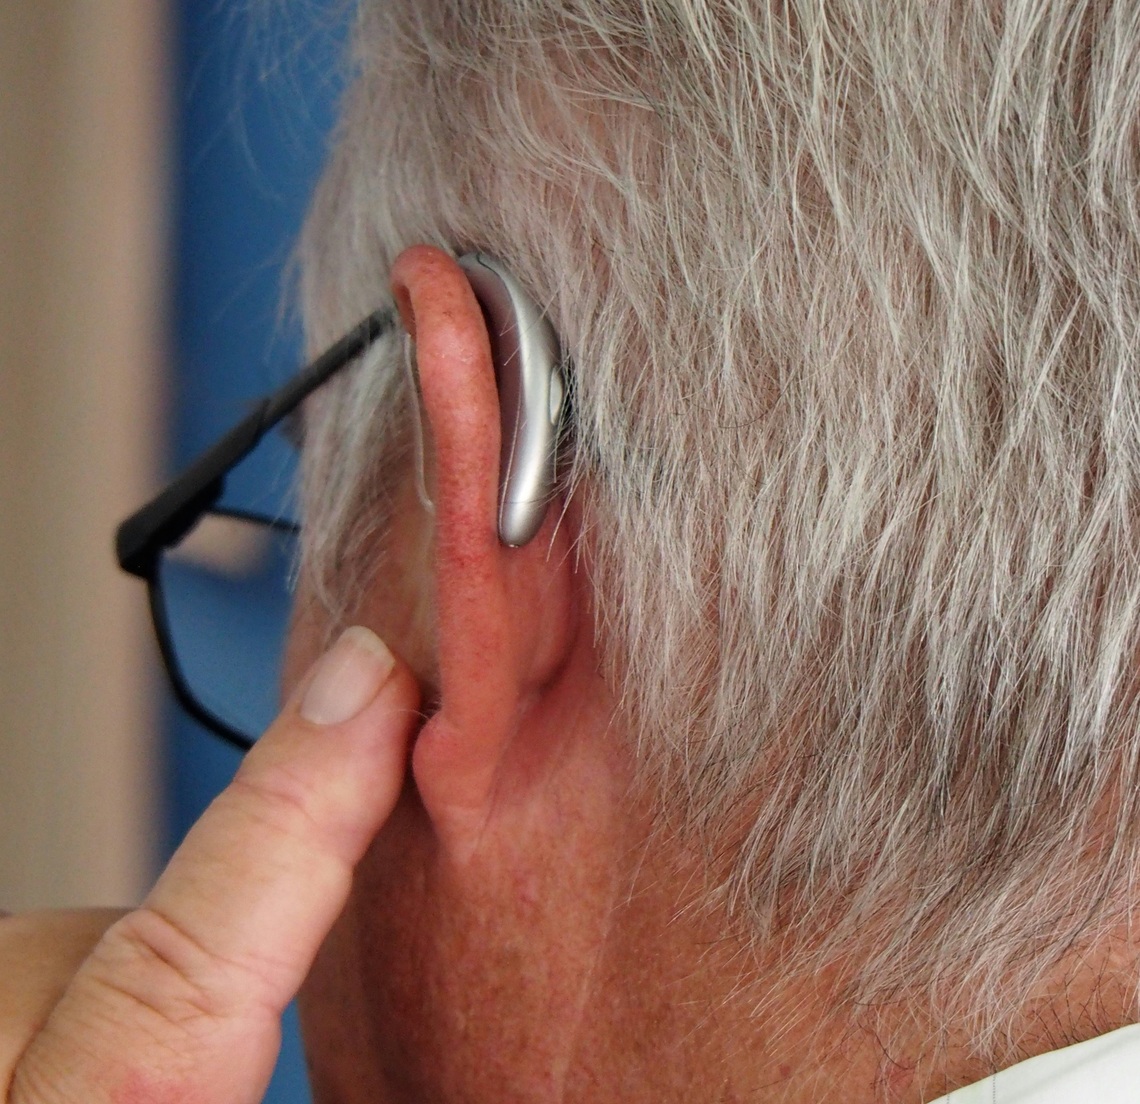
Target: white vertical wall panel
point(82, 183)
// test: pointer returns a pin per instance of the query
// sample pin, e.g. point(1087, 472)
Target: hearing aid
point(532, 395)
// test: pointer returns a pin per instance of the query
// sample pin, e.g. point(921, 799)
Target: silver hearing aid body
point(532, 394)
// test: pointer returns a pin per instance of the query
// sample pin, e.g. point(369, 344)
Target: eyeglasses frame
point(142, 538)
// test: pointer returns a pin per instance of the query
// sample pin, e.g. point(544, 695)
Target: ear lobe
point(505, 617)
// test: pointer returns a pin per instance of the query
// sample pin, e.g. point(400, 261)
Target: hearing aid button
point(557, 394)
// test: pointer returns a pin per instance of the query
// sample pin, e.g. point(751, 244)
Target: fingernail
point(347, 677)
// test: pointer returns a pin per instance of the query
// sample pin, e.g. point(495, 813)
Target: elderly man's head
point(809, 721)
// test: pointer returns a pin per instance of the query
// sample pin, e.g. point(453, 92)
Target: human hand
point(180, 1000)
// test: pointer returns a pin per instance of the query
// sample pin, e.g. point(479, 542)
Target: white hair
point(852, 291)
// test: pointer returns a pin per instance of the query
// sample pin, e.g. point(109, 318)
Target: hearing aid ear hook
point(532, 395)
point(418, 432)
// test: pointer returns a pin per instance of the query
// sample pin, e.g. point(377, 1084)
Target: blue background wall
point(255, 92)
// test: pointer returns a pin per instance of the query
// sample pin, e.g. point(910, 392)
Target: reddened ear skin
point(505, 616)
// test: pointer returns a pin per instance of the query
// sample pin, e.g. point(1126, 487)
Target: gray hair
point(852, 290)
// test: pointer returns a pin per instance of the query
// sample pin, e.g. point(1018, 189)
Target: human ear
point(506, 617)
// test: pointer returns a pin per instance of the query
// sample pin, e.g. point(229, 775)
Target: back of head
point(852, 291)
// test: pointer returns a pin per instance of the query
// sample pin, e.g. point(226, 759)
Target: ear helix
point(532, 395)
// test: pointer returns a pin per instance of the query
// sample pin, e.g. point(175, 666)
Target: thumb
point(182, 998)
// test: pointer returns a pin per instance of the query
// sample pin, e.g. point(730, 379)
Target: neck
point(577, 958)
point(717, 1017)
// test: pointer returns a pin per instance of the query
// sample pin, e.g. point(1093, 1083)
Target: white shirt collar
point(1105, 1070)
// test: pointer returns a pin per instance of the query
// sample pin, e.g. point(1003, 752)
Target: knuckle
point(280, 801)
point(161, 973)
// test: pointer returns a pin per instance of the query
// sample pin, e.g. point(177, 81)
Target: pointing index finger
point(186, 992)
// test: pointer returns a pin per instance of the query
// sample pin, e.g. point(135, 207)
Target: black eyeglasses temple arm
point(167, 518)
